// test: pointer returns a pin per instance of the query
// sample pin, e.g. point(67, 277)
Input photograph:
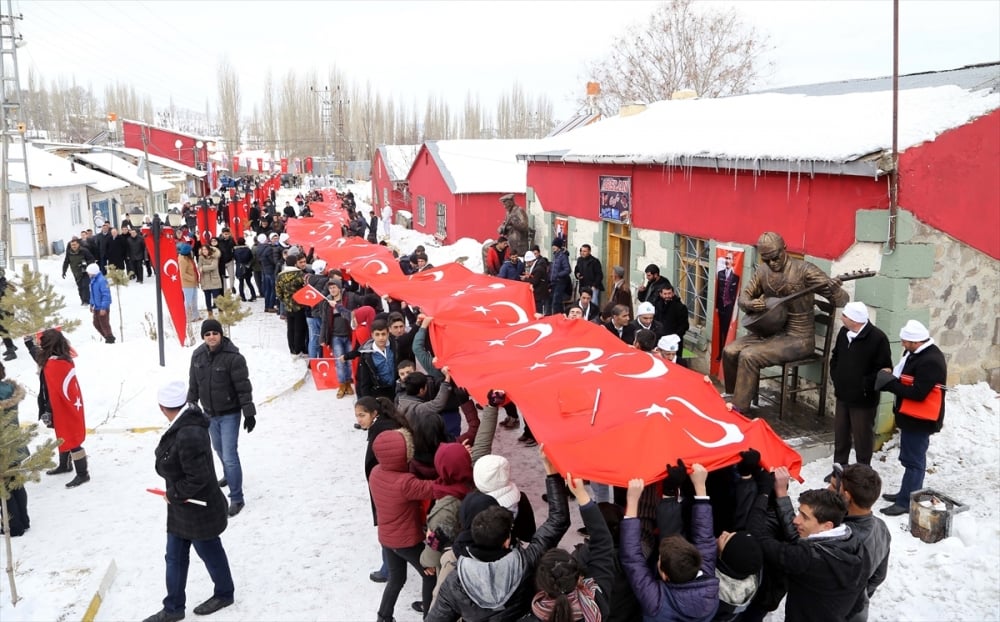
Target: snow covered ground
point(303, 547)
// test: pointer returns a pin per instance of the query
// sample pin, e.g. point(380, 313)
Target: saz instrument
point(772, 319)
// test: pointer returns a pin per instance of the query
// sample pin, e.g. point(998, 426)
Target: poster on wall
point(616, 198)
point(560, 229)
point(728, 272)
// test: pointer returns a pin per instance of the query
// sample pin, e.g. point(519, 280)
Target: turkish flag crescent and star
point(67, 402)
point(604, 411)
point(307, 296)
point(324, 373)
point(170, 277)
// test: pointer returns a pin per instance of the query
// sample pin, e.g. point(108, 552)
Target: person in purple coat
point(686, 588)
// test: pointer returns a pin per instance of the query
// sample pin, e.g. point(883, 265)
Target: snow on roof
point(122, 169)
point(46, 170)
point(398, 159)
point(770, 126)
point(173, 131)
point(477, 166)
point(164, 162)
point(106, 183)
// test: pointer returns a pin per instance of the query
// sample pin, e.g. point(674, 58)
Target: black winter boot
point(82, 476)
point(9, 355)
point(64, 464)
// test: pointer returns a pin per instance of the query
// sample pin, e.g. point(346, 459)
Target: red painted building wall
point(815, 215)
point(474, 216)
point(952, 183)
point(162, 143)
point(383, 186)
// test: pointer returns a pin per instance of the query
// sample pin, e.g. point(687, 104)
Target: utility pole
point(342, 141)
point(17, 214)
point(325, 118)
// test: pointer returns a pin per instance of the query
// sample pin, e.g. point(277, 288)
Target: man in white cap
point(100, 302)
point(669, 347)
point(861, 350)
point(645, 319)
point(536, 273)
point(196, 507)
point(921, 370)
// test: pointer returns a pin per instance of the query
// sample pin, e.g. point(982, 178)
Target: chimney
point(593, 93)
point(684, 94)
point(628, 109)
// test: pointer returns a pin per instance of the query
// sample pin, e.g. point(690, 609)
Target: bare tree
point(230, 104)
point(680, 46)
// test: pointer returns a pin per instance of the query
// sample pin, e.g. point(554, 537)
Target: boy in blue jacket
point(100, 302)
point(686, 589)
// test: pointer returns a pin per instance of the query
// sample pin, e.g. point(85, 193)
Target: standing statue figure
point(515, 225)
point(777, 276)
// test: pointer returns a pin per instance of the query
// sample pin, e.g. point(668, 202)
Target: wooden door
point(619, 245)
point(41, 232)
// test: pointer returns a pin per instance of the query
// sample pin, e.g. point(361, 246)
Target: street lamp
point(156, 230)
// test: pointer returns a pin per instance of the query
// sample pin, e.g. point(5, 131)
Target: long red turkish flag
point(603, 410)
point(453, 292)
point(170, 277)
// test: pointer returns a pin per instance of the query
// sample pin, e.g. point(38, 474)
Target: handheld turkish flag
point(324, 373)
point(307, 296)
point(66, 401)
point(170, 277)
point(604, 411)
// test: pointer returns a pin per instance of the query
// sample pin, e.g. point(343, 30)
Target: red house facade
point(455, 186)
point(389, 168)
point(193, 150)
point(832, 209)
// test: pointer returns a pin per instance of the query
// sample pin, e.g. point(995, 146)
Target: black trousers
point(17, 505)
point(396, 560)
point(297, 331)
point(857, 424)
point(83, 287)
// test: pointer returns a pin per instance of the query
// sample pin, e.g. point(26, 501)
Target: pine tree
point(34, 305)
point(17, 466)
point(119, 278)
point(230, 310)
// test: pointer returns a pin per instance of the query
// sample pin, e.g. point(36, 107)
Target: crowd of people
point(721, 545)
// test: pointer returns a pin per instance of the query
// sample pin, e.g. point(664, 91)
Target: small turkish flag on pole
point(307, 296)
point(324, 373)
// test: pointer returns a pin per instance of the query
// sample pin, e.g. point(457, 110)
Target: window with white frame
point(421, 211)
point(442, 219)
point(75, 209)
point(693, 270)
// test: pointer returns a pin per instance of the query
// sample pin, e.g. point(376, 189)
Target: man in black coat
point(136, 253)
point(670, 312)
point(196, 507)
point(860, 352)
point(219, 379)
point(227, 267)
point(824, 561)
point(590, 273)
point(924, 366)
point(76, 260)
point(650, 289)
point(619, 324)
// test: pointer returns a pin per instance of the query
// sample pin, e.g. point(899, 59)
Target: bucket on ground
point(931, 514)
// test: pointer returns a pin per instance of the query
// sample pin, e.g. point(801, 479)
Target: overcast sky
point(415, 49)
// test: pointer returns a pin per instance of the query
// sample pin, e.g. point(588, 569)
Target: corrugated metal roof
point(572, 123)
point(971, 78)
point(122, 169)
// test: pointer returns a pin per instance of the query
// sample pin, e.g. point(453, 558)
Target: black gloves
point(749, 462)
point(676, 476)
point(249, 423)
point(765, 482)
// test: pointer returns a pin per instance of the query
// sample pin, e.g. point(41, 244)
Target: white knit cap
point(172, 394)
point(261, 238)
point(529, 257)
point(669, 343)
point(319, 266)
point(645, 308)
point(492, 476)
point(914, 331)
point(856, 311)
point(283, 238)
point(93, 269)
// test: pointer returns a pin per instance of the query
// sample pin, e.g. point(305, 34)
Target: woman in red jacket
point(398, 497)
